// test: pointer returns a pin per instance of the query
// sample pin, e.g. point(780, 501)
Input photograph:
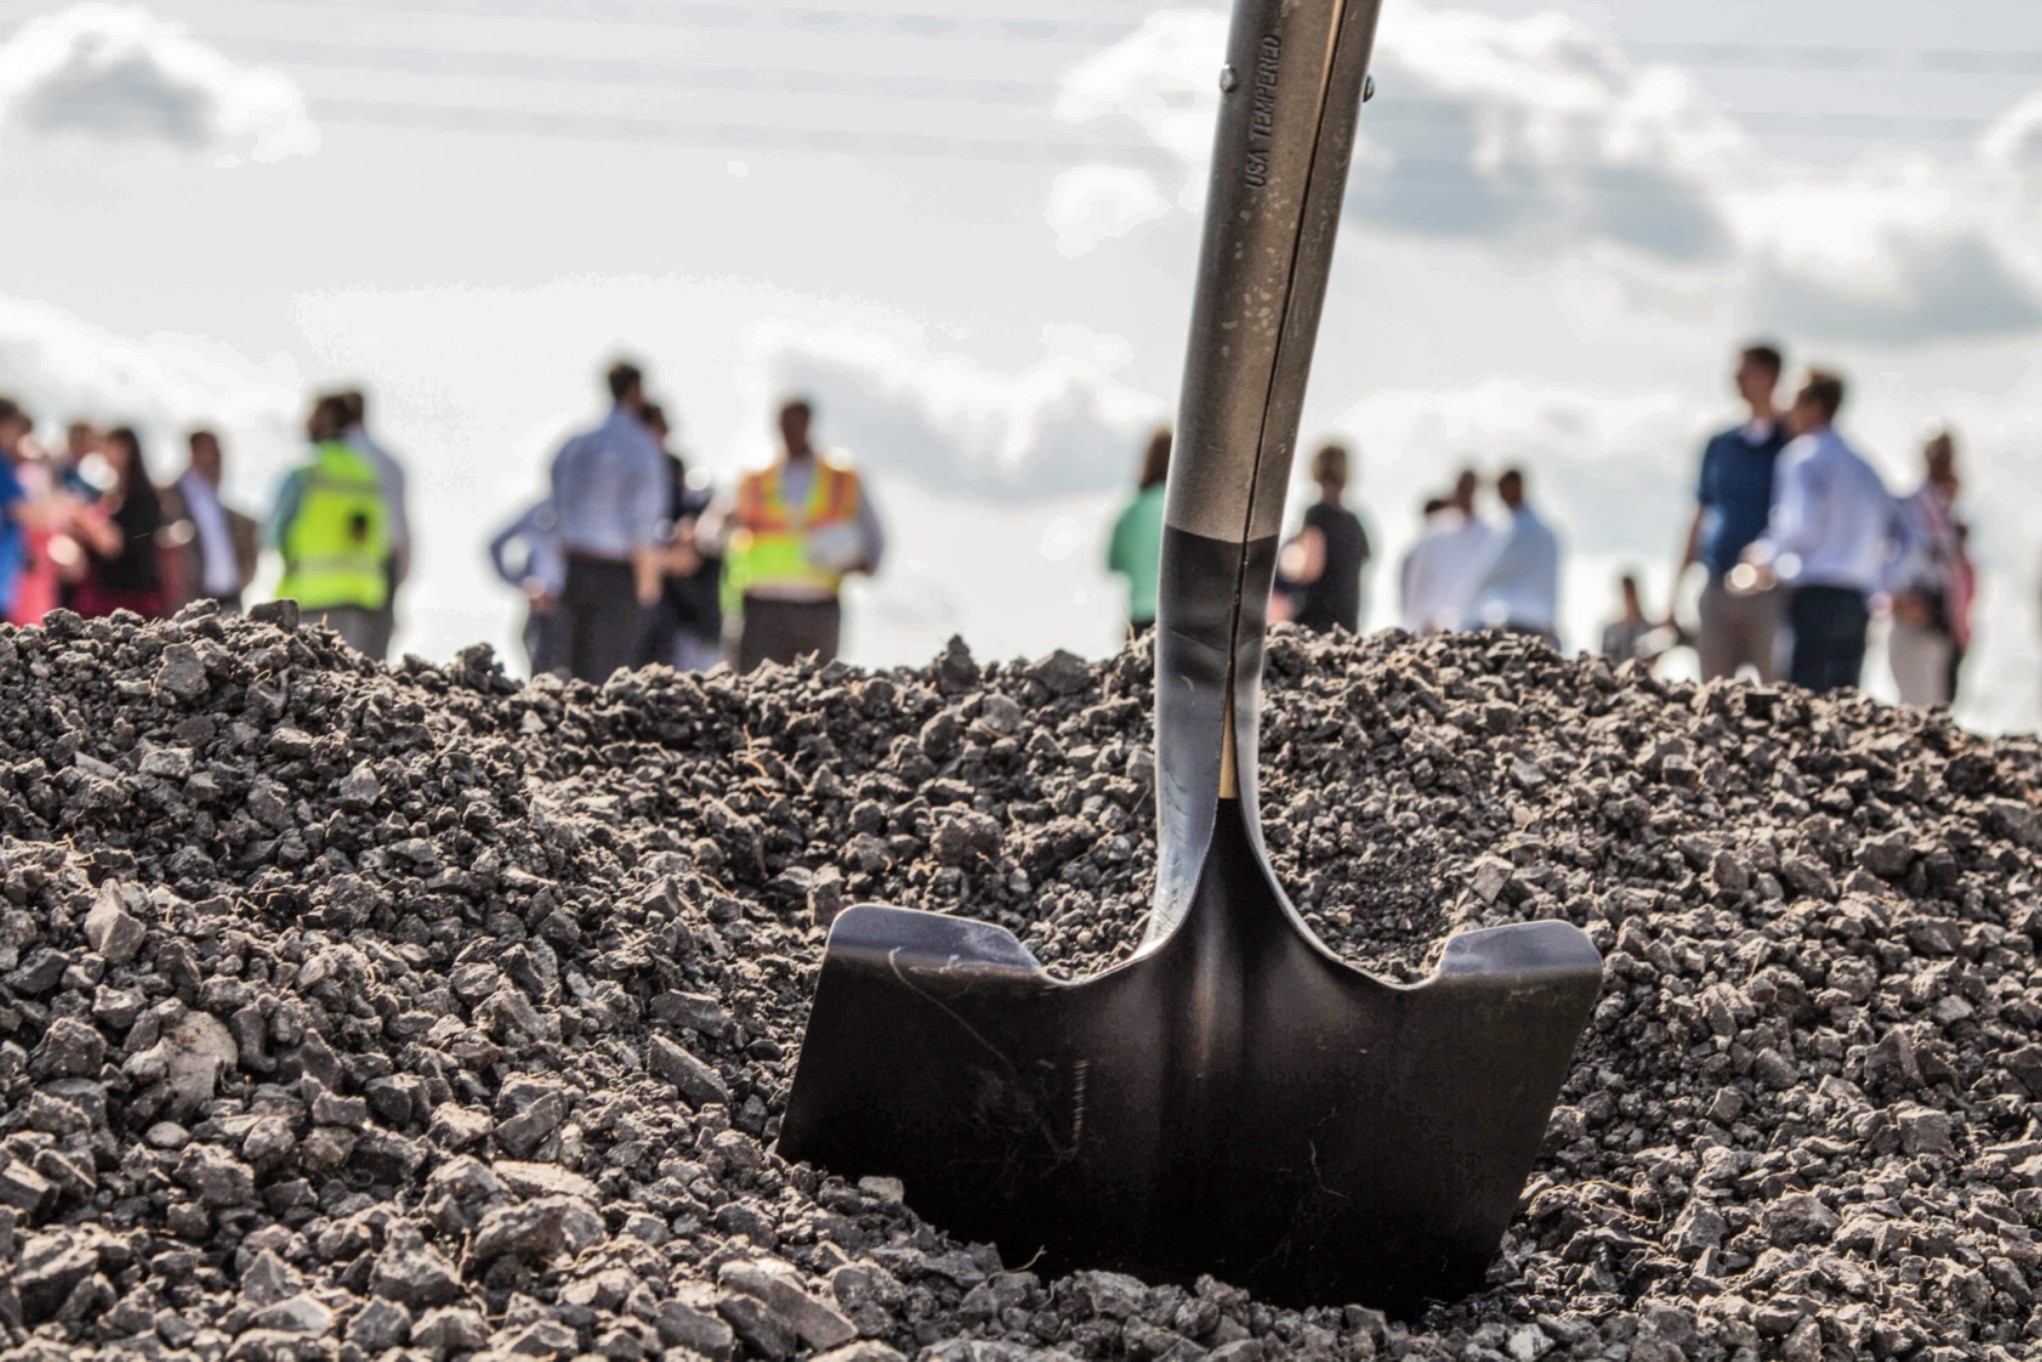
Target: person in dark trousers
point(526, 555)
point(396, 495)
point(331, 526)
point(1835, 539)
point(215, 549)
point(118, 536)
point(1624, 637)
point(1733, 498)
point(1322, 564)
point(610, 495)
point(1135, 550)
point(797, 530)
point(685, 630)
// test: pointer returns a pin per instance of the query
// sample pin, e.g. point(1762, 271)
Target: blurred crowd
point(628, 558)
point(83, 527)
point(1800, 543)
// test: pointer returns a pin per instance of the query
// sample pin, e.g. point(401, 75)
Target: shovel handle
point(1295, 76)
point(1292, 86)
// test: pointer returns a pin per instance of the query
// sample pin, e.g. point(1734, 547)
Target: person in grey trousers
point(1734, 495)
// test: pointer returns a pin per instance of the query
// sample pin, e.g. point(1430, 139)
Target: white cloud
point(1534, 130)
point(1094, 204)
point(1062, 426)
point(1539, 134)
point(119, 74)
point(2014, 142)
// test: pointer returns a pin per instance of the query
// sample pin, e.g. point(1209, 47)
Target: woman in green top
point(1136, 551)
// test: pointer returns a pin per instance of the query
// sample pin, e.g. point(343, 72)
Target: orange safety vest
point(767, 548)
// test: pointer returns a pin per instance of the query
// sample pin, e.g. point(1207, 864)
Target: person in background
point(1438, 574)
point(611, 490)
point(1518, 588)
point(118, 538)
point(1427, 513)
point(213, 548)
point(685, 630)
point(797, 530)
point(332, 526)
point(396, 495)
point(1835, 539)
point(15, 510)
point(526, 554)
point(1963, 594)
point(1733, 499)
point(71, 491)
point(1135, 548)
point(83, 446)
point(1931, 595)
point(1624, 638)
point(1323, 562)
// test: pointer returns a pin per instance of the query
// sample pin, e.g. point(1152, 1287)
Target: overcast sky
point(970, 230)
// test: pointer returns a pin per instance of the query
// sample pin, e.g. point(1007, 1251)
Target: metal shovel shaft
point(1292, 88)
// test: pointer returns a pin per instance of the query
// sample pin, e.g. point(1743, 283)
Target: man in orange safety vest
point(798, 528)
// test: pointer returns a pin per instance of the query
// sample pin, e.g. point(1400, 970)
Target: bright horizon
point(971, 236)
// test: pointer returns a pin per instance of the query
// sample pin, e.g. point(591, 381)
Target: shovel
point(1234, 1099)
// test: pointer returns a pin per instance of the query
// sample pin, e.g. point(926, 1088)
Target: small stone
point(1775, 1070)
point(413, 1273)
point(698, 1084)
point(215, 1177)
point(360, 788)
point(537, 1230)
point(1799, 1218)
point(682, 1325)
point(381, 1325)
point(110, 929)
point(1491, 876)
point(1923, 1130)
point(778, 1286)
point(453, 1329)
point(299, 1314)
point(181, 674)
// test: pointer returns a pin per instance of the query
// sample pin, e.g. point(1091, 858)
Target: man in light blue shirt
point(1518, 588)
point(1835, 539)
point(610, 495)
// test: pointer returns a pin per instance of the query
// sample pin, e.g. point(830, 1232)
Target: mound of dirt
point(345, 1010)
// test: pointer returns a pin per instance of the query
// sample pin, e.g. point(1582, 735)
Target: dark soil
point(345, 1011)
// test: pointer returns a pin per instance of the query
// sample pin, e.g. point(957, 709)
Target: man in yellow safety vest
point(332, 526)
point(798, 528)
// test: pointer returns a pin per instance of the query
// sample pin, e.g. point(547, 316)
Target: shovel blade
point(1233, 1101)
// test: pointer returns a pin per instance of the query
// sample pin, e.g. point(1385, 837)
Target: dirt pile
point(344, 1011)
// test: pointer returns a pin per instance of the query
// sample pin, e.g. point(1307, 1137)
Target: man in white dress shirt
point(1518, 589)
point(1439, 571)
point(1835, 539)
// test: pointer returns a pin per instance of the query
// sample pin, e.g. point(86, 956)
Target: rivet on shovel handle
point(1234, 1099)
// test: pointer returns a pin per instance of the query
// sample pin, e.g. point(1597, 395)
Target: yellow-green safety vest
point(766, 550)
point(337, 547)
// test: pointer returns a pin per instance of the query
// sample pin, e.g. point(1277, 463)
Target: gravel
point(346, 1010)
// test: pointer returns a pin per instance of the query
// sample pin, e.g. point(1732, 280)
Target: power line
point(803, 19)
point(931, 24)
point(1967, 61)
point(909, 88)
point(756, 137)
